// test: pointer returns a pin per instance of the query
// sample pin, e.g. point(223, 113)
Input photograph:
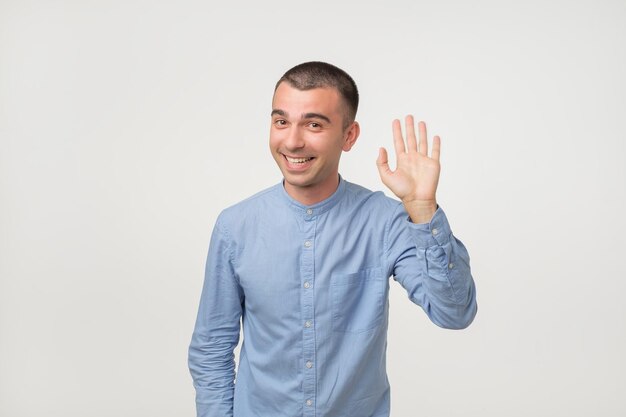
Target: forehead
point(317, 100)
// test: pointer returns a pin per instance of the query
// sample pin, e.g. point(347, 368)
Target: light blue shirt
point(310, 285)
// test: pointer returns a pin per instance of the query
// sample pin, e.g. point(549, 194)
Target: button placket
point(307, 298)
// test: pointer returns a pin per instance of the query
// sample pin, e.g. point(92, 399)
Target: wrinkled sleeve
point(433, 266)
point(216, 333)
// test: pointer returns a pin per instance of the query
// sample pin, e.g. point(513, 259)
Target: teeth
point(298, 160)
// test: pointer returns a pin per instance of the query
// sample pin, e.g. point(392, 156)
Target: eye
point(280, 122)
point(315, 125)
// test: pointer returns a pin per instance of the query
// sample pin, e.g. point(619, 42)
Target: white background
point(126, 126)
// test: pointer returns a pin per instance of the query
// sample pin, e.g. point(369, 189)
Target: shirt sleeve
point(433, 266)
point(216, 333)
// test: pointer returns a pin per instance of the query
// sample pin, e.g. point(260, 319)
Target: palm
point(416, 175)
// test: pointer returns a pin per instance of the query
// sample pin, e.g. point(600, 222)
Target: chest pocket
point(357, 300)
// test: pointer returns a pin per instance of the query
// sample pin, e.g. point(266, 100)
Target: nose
point(294, 139)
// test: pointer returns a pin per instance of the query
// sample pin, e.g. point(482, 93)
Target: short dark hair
point(316, 74)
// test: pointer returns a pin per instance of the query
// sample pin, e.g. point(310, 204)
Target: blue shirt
point(310, 285)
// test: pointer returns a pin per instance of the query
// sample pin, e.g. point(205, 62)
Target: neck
point(313, 194)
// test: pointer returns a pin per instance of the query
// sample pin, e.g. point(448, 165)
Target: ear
point(350, 136)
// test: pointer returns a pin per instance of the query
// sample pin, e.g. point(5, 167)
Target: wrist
point(420, 211)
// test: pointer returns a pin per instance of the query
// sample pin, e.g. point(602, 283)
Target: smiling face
point(307, 137)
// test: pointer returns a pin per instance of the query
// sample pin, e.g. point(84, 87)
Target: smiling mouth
point(298, 160)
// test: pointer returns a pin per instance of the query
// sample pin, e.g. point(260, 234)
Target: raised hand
point(416, 176)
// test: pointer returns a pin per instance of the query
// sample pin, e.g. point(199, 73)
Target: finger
point(382, 163)
point(423, 148)
point(398, 142)
point(436, 148)
point(410, 133)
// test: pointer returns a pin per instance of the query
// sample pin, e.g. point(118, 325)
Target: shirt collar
point(317, 208)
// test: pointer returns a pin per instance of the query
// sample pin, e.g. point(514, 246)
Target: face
point(307, 137)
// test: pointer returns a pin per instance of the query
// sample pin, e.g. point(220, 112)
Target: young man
point(304, 265)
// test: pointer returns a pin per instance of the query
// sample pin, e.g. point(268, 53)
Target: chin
point(297, 182)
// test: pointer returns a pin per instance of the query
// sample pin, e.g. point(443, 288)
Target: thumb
point(382, 163)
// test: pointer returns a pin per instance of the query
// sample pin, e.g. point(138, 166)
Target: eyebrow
point(316, 116)
point(304, 116)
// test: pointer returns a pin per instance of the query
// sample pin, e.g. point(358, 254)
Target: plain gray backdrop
point(126, 126)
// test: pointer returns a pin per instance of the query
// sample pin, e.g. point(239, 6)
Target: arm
point(216, 333)
point(427, 260)
point(433, 266)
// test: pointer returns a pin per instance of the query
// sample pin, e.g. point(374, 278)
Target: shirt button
point(309, 211)
point(450, 265)
point(307, 284)
point(435, 231)
point(307, 244)
point(309, 364)
point(309, 402)
point(307, 323)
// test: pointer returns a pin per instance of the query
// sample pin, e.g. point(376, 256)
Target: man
point(305, 265)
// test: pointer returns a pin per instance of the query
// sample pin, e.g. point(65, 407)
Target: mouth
point(295, 164)
point(298, 161)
